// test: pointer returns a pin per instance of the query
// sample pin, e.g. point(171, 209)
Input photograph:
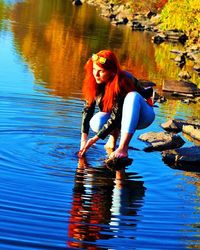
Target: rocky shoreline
point(122, 14)
point(170, 143)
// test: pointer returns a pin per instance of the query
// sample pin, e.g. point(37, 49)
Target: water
point(51, 200)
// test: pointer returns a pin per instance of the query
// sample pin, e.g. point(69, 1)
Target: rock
point(197, 99)
point(192, 130)
point(185, 75)
point(161, 99)
point(196, 67)
point(112, 16)
point(188, 101)
point(193, 55)
point(176, 36)
point(118, 163)
point(176, 125)
point(77, 2)
point(181, 95)
point(191, 140)
point(136, 25)
point(149, 27)
point(160, 141)
point(123, 21)
point(180, 60)
point(159, 38)
point(178, 52)
point(193, 48)
point(187, 158)
point(183, 38)
point(181, 87)
point(150, 14)
point(158, 98)
point(173, 125)
point(193, 121)
point(125, 12)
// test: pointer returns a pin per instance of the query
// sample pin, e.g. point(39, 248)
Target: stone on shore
point(136, 25)
point(181, 88)
point(171, 36)
point(158, 38)
point(176, 125)
point(159, 141)
point(185, 75)
point(196, 67)
point(187, 158)
point(180, 60)
point(193, 131)
point(176, 36)
point(77, 2)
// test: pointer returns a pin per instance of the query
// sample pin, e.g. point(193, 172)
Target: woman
point(124, 104)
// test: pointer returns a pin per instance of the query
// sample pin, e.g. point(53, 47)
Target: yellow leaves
point(181, 14)
point(195, 5)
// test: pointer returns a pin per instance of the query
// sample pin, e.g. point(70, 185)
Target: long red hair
point(119, 84)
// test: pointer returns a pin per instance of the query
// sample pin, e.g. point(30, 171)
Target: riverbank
point(149, 20)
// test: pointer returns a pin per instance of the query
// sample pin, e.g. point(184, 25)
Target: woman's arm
point(84, 137)
point(87, 114)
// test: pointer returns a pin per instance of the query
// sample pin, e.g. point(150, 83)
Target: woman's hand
point(119, 153)
point(86, 145)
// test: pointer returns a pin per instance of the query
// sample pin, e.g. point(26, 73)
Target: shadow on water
point(104, 204)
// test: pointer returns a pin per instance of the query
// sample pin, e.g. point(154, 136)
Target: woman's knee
point(98, 120)
point(131, 96)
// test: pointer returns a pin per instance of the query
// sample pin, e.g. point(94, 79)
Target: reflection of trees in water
point(46, 40)
point(3, 13)
point(101, 199)
point(52, 37)
point(55, 39)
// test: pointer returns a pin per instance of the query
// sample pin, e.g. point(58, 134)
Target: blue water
point(50, 199)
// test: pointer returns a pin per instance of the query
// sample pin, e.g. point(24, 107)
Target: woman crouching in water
point(123, 103)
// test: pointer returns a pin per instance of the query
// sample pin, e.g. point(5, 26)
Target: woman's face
point(101, 75)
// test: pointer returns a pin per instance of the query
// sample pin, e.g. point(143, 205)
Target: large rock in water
point(187, 158)
point(77, 2)
point(176, 125)
point(193, 131)
point(182, 88)
point(160, 141)
point(175, 35)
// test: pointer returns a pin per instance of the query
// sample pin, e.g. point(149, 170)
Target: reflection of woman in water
point(99, 197)
point(124, 104)
point(90, 206)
